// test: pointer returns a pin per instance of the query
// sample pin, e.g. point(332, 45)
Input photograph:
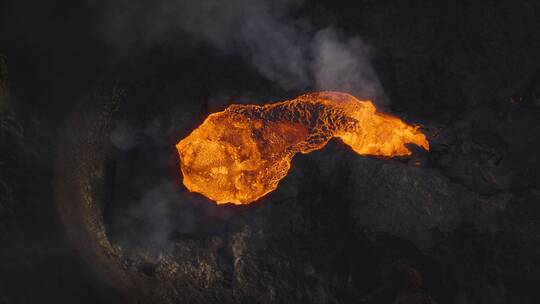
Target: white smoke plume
point(285, 50)
point(288, 51)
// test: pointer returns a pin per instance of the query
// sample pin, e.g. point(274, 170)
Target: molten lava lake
point(240, 154)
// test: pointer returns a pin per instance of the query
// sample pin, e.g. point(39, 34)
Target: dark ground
point(463, 226)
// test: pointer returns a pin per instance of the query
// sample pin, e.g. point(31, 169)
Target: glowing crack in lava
point(240, 154)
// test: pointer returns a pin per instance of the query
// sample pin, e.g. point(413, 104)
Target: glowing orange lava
point(240, 154)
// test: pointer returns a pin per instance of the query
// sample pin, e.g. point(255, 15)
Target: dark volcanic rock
point(10, 143)
point(459, 224)
point(339, 229)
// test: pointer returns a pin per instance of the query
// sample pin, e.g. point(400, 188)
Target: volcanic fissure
point(240, 154)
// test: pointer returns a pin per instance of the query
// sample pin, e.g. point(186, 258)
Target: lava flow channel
point(240, 154)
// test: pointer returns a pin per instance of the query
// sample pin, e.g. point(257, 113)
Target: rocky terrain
point(92, 209)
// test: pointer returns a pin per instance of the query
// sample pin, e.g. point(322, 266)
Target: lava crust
point(240, 154)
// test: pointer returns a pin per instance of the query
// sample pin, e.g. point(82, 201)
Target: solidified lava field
point(95, 96)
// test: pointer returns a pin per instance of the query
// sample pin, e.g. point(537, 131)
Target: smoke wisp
point(285, 50)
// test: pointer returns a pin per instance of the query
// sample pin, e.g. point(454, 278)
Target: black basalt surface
point(92, 209)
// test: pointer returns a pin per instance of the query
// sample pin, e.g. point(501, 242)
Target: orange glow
point(240, 154)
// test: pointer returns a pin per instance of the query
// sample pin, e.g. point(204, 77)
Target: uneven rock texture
point(10, 141)
point(339, 229)
point(92, 209)
point(38, 264)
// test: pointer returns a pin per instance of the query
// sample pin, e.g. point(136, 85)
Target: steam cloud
point(287, 51)
point(282, 49)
